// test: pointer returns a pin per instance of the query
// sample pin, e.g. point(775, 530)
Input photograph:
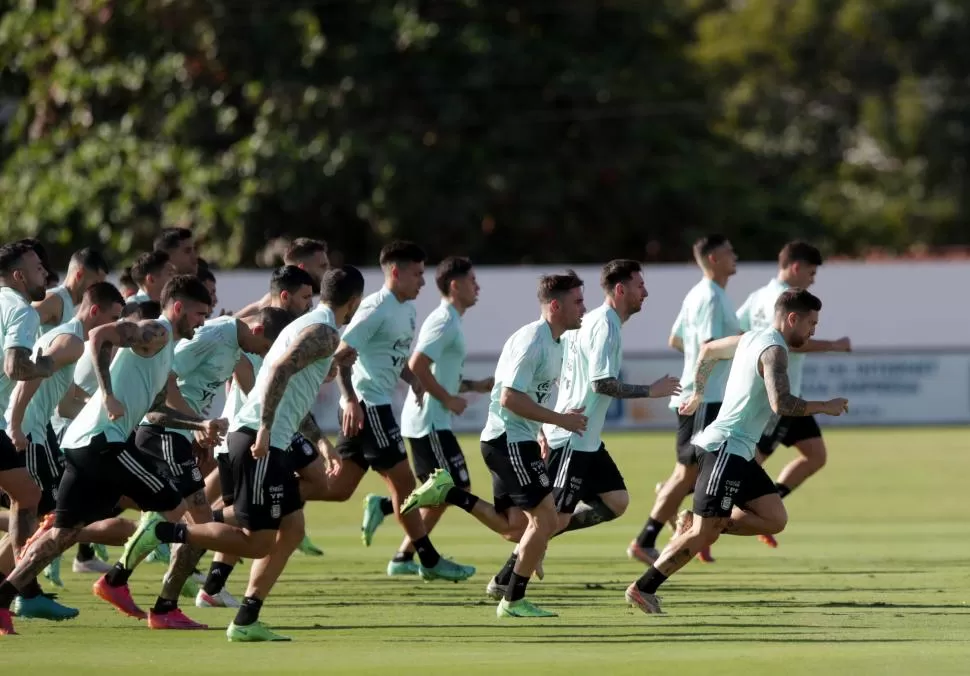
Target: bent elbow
point(507, 397)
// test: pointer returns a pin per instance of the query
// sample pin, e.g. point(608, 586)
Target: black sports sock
point(592, 513)
point(7, 594)
point(85, 552)
point(461, 498)
point(428, 555)
point(783, 490)
point(218, 516)
point(403, 557)
point(248, 611)
point(650, 581)
point(215, 581)
point(648, 536)
point(387, 506)
point(516, 588)
point(117, 576)
point(163, 606)
point(505, 575)
point(172, 532)
point(31, 590)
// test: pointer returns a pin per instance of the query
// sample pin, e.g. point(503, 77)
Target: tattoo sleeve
point(120, 334)
point(314, 343)
point(345, 383)
point(774, 361)
point(17, 365)
point(184, 560)
point(407, 375)
point(466, 386)
point(164, 415)
point(702, 373)
point(612, 387)
point(309, 429)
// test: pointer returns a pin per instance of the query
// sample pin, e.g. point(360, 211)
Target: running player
point(733, 494)
point(87, 267)
point(797, 264)
point(151, 272)
point(179, 244)
point(126, 284)
point(706, 314)
point(305, 253)
point(206, 277)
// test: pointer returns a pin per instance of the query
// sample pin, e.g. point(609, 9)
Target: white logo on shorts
point(726, 502)
point(543, 480)
point(463, 475)
point(307, 449)
point(275, 511)
point(196, 474)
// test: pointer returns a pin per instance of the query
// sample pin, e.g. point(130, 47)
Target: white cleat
point(92, 567)
point(494, 590)
point(647, 603)
point(221, 600)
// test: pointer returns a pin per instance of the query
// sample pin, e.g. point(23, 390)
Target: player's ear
point(258, 330)
point(95, 310)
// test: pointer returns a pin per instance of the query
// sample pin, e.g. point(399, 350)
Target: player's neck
point(554, 327)
point(720, 280)
point(75, 290)
point(151, 295)
point(14, 286)
point(611, 303)
point(396, 293)
point(784, 278)
point(455, 303)
point(339, 313)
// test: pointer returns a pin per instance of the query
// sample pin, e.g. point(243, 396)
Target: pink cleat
point(173, 619)
point(768, 540)
point(705, 556)
point(646, 556)
point(119, 597)
point(6, 623)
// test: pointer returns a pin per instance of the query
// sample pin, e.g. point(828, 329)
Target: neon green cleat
point(431, 493)
point(446, 569)
point(101, 551)
point(53, 572)
point(521, 608)
point(307, 547)
point(373, 517)
point(402, 568)
point(143, 542)
point(252, 633)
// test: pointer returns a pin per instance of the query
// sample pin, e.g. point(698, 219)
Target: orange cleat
point(705, 555)
point(768, 540)
point(6, 623)
point(646, 556)
point(119, 597)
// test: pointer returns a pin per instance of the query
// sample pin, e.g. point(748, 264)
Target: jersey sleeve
point(730, 326)
point(191, 354)
point(22, 329)
point(519, 371)
point(678, 328)
point(604, 352)
point(362, 327)
point(744, 314)
point(711, 321)
point(435, 335)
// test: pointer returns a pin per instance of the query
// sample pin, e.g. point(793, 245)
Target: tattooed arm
point(711, 353)
point(17, 364)
point(612, 387)
point(144, 337)
point(163, 415)
point(309, 429)
point(315, 342)
point(774, 364)
point(482, 386)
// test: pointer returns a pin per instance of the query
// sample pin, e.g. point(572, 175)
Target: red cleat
point(768, 540)
point(705, 555)
point(119, 597)
point(173, 619)
point(6, 623)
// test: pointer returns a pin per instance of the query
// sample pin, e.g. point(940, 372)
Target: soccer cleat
point(521, 608)
point(94, 567)
point(307, 547)
point(143, 541)
point(645, 555)
point(173, 619)
point(431, 493)
point(495, 590)
point(446, 569)
point(705, 556)
point(43, 608)
point(648, 603)
point(161, 554)
point(250, 633)
point(373, 517)
point(402, 568)
point(119, 597)
point(768, 540)
point(53, 572)
point(6, 623)
point(221, 600)
point(101, 551)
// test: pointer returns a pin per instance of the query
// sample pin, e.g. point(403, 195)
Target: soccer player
point(209, 279)
point(436, 362)
point(733, 494)
point(305, 253)
point(151, 272)
point(87, 267)
point(798, 263)
point(291, 288)
point(179, 244)
point(705, 315)
point(256, 480)
point(126, 284)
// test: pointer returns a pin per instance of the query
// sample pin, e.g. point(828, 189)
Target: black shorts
point(690, 425)
point(46, 466)
point(378, 445)
point(725, 480)
point(300, 453)
point(519, 476)
point(9, 457)
point(172, 457)
point(97, 476)
point(261, 491)
point(579, 475)
point(789, 432)
point(439, 450)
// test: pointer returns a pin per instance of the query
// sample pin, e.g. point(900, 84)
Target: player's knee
point(261, 544)
point(617, 501)
point(64, 537)
point(26, 496)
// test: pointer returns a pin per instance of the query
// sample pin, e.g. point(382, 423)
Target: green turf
point(871, 578)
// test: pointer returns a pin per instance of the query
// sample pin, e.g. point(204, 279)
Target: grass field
point(871, 577)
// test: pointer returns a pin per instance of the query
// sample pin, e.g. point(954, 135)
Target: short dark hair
point(146, 309)
point(12, 254)
point(618, 271)
point(151, 263)
point(450, 269)
point(125, 278)
point(341, 284)
point(38, 248)
point(289, 278)
point(799, 301)
point(705, 246)
point(302, 248)
point(554, 287)
point(103, 294)
point(185, 288)
point(90, 259)
point(799, 252)
point(171, 238)
point(402, 251)
point(205, 274)
point(274, 320)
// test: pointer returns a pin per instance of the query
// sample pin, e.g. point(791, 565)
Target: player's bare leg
point(665, 507)
point(543, 521)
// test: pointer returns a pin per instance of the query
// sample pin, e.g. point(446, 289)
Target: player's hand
point(18, 438)
point(215, 430)
point(260, 447)
point(688, 407)
point(418, 389)
point(114, 408)
point(843, 345)
point(573, 420)
point(485, 386)
point(667, 386)
point(544, 449)
point(836, 407)
point(331, 460)
point(202, 454)
point(456, 405)
point(352, 419)
point(332, 373)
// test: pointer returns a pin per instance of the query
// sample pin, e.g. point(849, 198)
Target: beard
point(37, 293)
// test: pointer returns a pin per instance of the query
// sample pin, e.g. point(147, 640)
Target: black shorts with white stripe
point(689, 426)
point(98, 475)
point(725, 480)
point(788, 432)
point(379, 444)
point(261, 490)
point(300, 454)
point(519, 476)
point(439, 450)
point(172, 457)
point(581, 475)
point(46, 467)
